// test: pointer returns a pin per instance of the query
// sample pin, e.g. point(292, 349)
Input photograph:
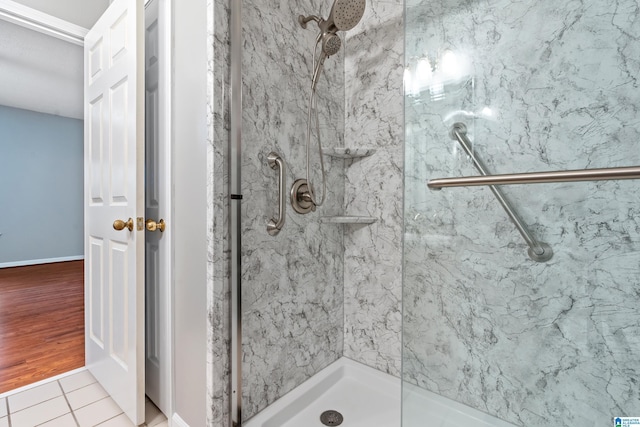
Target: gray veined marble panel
point(294, 297)
point(544, 86)
point(217, 203)
point(373, 187)
point(292, 283)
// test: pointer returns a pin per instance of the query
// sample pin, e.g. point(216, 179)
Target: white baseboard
point(40, 261)
point(176, 421)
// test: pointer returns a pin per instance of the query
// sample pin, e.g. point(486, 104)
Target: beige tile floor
point(73, 401)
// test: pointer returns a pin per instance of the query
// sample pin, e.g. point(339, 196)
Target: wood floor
point(41, 322)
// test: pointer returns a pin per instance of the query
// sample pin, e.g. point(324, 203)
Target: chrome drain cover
point(331, 418)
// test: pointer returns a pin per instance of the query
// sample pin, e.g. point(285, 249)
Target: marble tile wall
point(218, 339)
point(373, 187)
point(292, 283)
point(293, 299)
point(296, 291)
point(541, 86)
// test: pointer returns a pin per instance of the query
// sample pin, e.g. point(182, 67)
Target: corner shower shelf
point(347, 219)
point(348, 153)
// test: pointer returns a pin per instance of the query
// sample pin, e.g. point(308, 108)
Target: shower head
point(330, 46)
point(345, 14)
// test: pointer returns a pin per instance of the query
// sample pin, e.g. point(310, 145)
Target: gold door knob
point(153, 226)
point(119, 224)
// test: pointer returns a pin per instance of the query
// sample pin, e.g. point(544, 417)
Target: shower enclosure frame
point(235, 208)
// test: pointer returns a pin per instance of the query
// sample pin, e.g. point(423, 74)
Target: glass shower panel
point(292, 293)
point(539, 86)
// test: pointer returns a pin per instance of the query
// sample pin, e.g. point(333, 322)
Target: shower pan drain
point(331, 418)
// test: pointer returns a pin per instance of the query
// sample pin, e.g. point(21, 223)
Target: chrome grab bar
point(538, 251)
point(275, 225)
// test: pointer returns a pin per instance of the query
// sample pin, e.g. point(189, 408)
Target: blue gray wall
point(41, 187)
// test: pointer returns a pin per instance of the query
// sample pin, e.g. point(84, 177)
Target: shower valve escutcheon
point(301, 200)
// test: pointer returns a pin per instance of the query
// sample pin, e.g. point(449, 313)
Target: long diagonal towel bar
point(538, 251)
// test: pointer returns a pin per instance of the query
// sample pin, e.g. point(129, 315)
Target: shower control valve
point(300, 198)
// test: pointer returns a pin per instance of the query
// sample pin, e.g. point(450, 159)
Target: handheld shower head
point(330, 45)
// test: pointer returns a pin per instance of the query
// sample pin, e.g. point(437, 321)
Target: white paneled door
point(114, 204)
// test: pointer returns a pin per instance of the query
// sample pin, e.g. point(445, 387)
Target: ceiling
point(42, 73)
point(84, 13)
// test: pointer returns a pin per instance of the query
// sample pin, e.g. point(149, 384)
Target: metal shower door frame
point(235, 195)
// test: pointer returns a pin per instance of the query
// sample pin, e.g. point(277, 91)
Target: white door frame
point(33, 19)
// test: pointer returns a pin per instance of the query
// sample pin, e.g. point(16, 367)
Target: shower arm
point(538, 251)
point(303, 20)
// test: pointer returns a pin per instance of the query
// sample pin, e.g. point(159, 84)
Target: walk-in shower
point(453, 306)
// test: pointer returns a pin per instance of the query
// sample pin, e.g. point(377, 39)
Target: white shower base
point(366, 398)
point(426, 409)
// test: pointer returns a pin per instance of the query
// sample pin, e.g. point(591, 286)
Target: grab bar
point(538, 251)
point(275, 225)
point(605, 174)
